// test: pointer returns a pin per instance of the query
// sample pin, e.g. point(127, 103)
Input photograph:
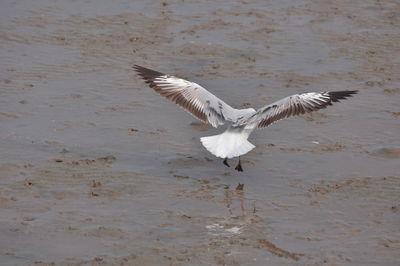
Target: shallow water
point(98, 169)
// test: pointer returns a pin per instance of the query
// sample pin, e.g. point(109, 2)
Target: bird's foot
point(239, 167)
point(226, 162)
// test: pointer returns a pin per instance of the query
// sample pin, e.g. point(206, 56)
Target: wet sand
point(97, 169)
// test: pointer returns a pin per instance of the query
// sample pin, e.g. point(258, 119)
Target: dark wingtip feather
point(147, 74)
point(336, 96)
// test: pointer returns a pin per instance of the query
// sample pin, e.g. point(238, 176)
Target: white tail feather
point(227, 144)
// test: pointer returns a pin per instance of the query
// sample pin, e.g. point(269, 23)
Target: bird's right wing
point(191, 96)
point(293, 105)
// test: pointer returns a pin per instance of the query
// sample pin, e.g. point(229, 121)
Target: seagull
point(242, 122)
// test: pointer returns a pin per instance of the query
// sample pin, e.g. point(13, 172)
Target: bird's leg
point(226, 162)
point(239, 166)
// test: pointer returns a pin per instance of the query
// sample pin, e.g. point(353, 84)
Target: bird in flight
point(242, 122)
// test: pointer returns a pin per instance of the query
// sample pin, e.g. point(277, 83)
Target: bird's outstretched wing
point(293, 105)
point(191, 96)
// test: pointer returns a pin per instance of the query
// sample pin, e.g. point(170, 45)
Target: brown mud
point(97, 169)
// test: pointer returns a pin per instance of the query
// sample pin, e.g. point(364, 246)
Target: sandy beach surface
point(97, 169)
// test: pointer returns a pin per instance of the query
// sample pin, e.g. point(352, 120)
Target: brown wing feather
point(177, 95)
point(295, 105)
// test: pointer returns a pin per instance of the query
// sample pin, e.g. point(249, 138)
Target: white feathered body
point(231, 143)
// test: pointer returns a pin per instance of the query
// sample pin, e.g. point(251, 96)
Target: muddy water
point(97, 169)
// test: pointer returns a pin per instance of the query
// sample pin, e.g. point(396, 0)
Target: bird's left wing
point(293, 105)
point(191, 96)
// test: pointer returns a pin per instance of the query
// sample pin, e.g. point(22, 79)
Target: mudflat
point(96, 168)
